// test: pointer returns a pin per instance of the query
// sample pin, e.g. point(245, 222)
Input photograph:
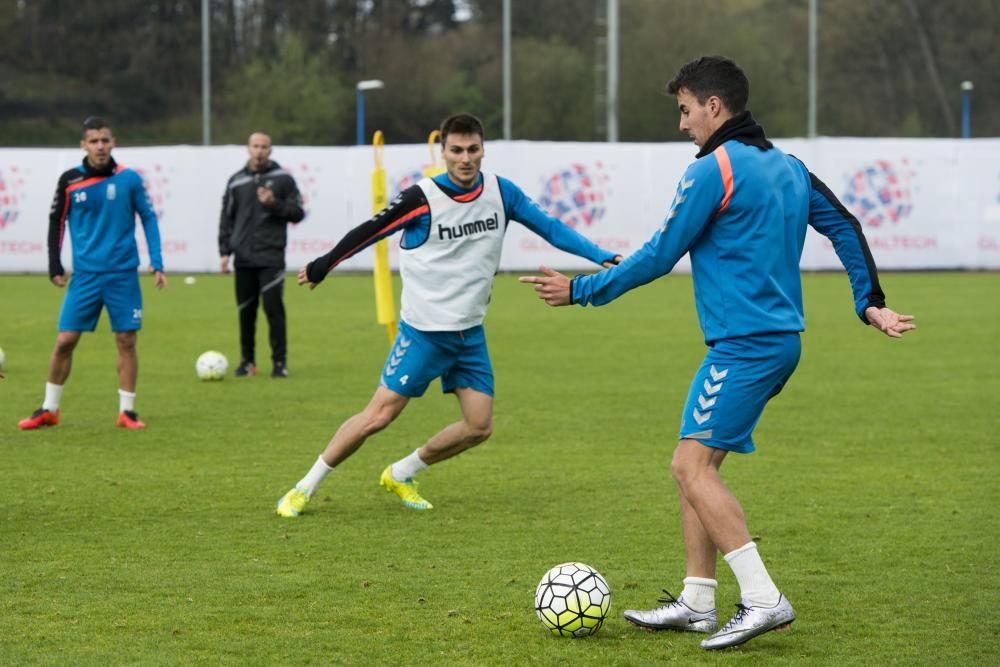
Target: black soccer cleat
point(245, 369)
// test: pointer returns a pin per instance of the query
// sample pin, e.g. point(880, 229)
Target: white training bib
point(447, 279)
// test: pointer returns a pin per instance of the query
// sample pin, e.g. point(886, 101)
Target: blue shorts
point(734, 383)
point(459, 358)
point(89, 292)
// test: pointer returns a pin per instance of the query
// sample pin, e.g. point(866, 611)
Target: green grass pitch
point(873, 493)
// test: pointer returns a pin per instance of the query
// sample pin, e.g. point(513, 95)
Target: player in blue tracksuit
point(741, 210)
point(99, 200)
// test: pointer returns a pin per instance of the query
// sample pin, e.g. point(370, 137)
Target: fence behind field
point(923, 203)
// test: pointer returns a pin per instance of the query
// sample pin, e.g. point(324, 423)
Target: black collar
point(743, 128)
point(107, 171)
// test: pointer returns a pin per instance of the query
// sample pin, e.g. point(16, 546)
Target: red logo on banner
point(880, 193)
point(157, 184)
point(576, 194)
point(307, 179)
point(11, 184)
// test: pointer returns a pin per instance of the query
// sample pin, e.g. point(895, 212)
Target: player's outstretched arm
point(407, 208)
point(889, 322)
point(553, 288)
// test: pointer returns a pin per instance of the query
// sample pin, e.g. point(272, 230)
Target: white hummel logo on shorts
point(706, 401)
point(718, 375)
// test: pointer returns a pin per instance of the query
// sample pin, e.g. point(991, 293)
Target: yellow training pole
point(434, 168)
point(385, 303)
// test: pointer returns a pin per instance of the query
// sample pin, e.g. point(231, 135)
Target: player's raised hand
point(889, 322)
point(552, 288)
point(303, 277)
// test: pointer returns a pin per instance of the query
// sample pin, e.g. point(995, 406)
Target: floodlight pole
point(967, 109)
point(360, 88)
point(206, 75)
point(506, 71)
point(813, 21)
point(612, 101)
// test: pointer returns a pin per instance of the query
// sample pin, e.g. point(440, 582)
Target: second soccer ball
point(211, 365)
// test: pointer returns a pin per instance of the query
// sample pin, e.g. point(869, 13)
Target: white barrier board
point(923, 204)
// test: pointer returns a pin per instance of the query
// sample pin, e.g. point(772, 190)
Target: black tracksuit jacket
point(254, 234)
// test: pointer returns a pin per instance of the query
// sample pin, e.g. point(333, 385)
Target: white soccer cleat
point(674, 615)
point(750, 622)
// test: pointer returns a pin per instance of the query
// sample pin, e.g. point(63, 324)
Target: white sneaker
point(750, 622)
point(674, 615)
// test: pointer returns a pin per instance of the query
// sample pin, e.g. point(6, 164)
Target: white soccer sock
point(316, 474)
point(53, 394)
point(699, 593)
point(126, 400)
point(404, 469)
point(756, 587)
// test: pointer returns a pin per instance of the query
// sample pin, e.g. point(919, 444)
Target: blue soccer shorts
point(734, 383)
point(459, 358)
point(88, 292)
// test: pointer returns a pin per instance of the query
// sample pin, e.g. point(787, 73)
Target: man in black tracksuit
point(260, 200)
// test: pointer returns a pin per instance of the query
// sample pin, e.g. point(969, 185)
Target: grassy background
point(873, 492)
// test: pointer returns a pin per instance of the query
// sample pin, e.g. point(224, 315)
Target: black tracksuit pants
point(254, 285)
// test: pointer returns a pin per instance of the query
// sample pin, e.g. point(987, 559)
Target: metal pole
point(813, 20)
point(359, 89)
point(359, 125)
point(206, 75)
point(966, 109)
point(506, 70)
point(612, 70)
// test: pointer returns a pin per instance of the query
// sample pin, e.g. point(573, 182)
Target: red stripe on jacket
point(76, 186)
point(726, 167)
point(469, 196)
point(93, 179)
point(391, 227)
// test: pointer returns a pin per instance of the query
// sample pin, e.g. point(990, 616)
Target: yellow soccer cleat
point(406, 490)
point(292, 503)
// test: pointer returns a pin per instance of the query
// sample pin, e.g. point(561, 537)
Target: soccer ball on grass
point(572, 600)
point(211, 365)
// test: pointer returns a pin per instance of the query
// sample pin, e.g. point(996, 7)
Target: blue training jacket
point(742, 211)
point(100, 208)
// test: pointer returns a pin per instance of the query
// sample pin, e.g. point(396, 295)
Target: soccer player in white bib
point(453, 227)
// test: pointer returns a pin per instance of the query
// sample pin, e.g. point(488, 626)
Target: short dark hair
point(714, 75)
point(461, 123)
point(93, 123)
